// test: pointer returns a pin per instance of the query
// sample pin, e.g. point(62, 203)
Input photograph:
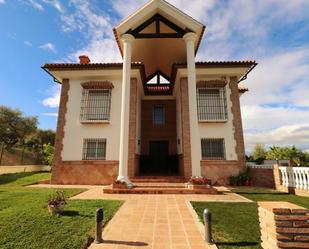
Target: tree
point(285, 153)
point(39, 139)
point(46, 137)
point(15, 128)
point(259, 153)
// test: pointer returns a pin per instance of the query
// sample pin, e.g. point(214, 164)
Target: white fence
point(297, 177)
point(259, 166)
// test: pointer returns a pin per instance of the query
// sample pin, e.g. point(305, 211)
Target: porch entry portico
point(159, 35)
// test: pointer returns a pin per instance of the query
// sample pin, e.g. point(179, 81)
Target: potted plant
point(247, 180)
point(198, 183)
point(238, 180)
point(233, 180)
point(119, 184)
point(56, 203)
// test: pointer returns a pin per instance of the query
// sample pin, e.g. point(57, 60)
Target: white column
point(194, 131)
point(127, 40)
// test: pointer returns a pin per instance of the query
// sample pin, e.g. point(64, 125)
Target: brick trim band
point(132, 158)
point(64, 97)
point(186, 140)
point(237, 122)
point(97, 85)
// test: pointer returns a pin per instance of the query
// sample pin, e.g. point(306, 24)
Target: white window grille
point(94, 149)
point(95, 105)
point(213, 149)
point(211, 104)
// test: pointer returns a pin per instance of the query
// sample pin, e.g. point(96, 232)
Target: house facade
point(157, 113)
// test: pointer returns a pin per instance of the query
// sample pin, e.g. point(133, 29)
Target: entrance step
point(141, 190)
point(159, 184)
point(162, 179)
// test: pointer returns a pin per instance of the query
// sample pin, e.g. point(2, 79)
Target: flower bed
point(198, 183)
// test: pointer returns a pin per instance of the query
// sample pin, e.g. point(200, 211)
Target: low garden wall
point(23, 168)
point(262, 176)
point(283, 225)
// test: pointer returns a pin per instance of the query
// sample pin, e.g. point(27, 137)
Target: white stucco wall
point(75, 132)
point(223, 130)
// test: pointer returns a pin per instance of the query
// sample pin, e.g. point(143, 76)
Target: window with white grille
point(94, 149)
point(95, 105)
point(213, 149)
point(211, 104)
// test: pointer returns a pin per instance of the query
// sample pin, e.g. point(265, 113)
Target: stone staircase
point(159, 185)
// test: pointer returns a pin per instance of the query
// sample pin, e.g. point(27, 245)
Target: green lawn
point(263, 194)
point(25, 222)
point(235, 225)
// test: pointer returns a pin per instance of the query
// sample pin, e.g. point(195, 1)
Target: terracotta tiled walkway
point(154, 221)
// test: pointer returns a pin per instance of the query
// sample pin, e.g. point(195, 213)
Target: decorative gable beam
point(157, 19)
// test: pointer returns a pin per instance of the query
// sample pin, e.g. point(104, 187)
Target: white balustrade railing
point(296, 177)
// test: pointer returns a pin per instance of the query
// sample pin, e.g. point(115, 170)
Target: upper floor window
point(211, 104)
point(94, 149)
point(95, 105)
point(158, 115)
point(213, 148)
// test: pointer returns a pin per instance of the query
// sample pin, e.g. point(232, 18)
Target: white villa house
point(158, 113)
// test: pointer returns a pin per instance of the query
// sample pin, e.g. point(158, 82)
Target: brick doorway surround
point(185, 158)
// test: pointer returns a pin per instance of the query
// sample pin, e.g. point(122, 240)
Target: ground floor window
point(213, 149)
point(94, 149)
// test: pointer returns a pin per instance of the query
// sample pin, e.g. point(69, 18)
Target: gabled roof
point(90, 66)
point(166, 10)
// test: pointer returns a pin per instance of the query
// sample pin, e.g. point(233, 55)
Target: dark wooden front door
point(158, 162)
point(158, 152)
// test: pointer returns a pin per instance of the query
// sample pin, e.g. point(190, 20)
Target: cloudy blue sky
point(273, 32)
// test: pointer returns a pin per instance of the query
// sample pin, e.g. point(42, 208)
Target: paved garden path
point(152, 221)
point(155, 221)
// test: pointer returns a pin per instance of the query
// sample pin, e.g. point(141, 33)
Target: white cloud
point(297, 134)
point(2, 1)
point(97, 29)
point(85, 19)
point(35, 5)
point(51, 114)
point(105, 50)
point(56, 4)
point(49, 47)
point(279, 79)
point(258, 118)
point(54, 97)
point(28, 43)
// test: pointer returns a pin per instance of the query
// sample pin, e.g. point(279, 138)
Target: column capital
point(127, 38)
point(190, 37)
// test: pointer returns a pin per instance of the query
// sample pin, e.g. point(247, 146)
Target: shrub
point(48, 153)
